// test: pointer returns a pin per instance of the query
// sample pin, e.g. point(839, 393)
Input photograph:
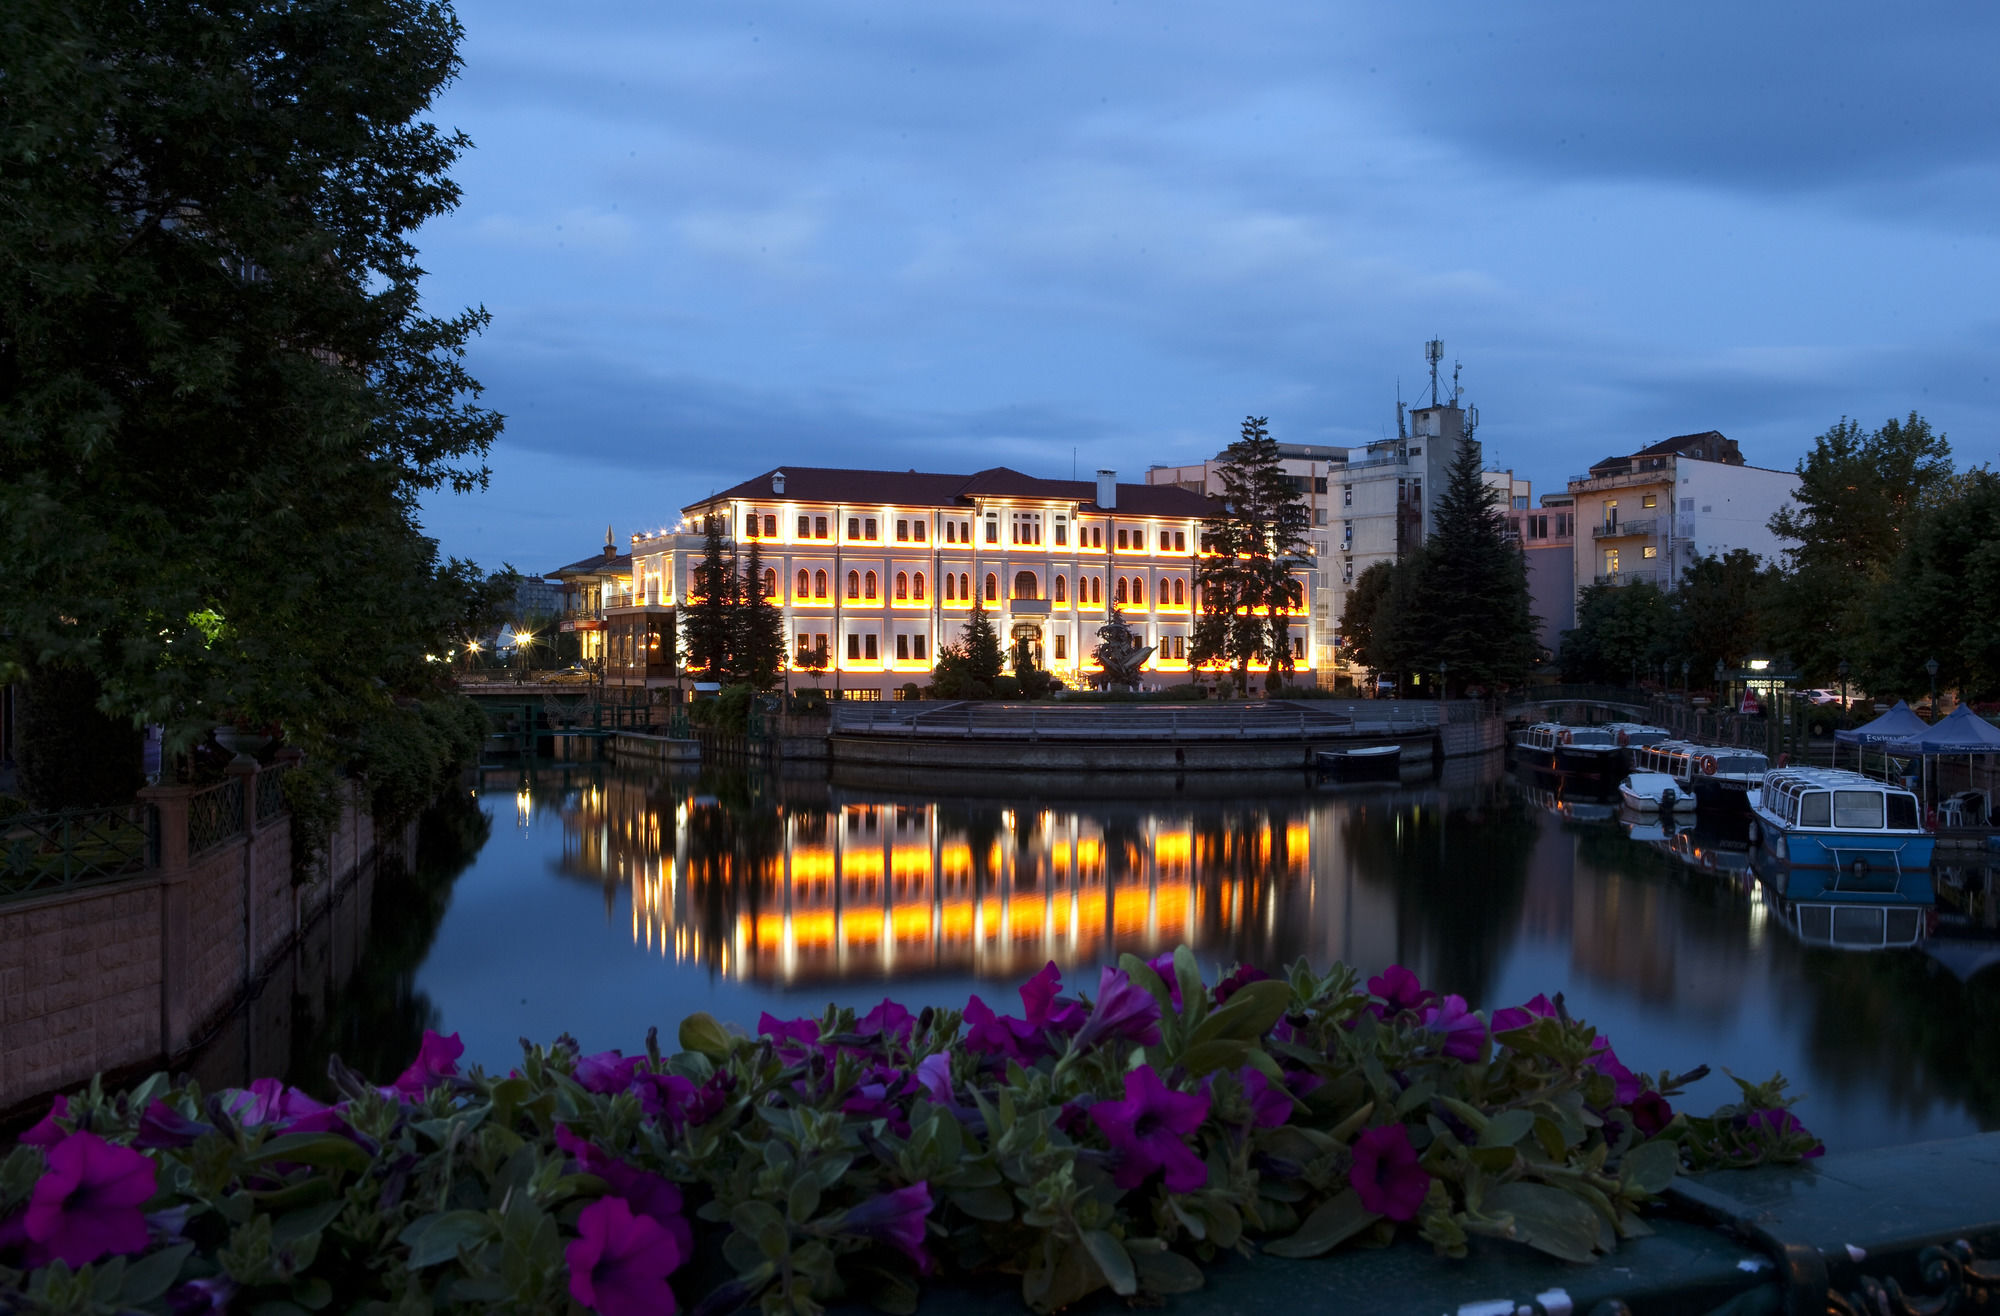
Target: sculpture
point(1121, 654)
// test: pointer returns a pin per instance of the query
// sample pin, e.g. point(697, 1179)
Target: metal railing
point(271, 791)
point(41, 853)
point(215, 814)
point(1644, 527)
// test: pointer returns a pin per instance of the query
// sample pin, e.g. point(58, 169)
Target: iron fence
point(271, 792)
point(46, 852)
point(215, 814)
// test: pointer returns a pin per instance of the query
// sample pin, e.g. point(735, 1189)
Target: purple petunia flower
point(792, 1039)
point(620, 1263)
point(270, 1101)
point(1782, 1123)
point(203, 1297)
point(989, 1034)
point(1237, 981)
point(45, 1132)
point(1149, 1129)
point(86, 1204)
point(1398, 989)
point(1124, 1009)
point(164, 1126)
point(648, 1194)
point(608, 1072)
point(1044, 1007)
point(934, 1073)
point(1270, 1105)
point(888, 1020)
point(1651, 1113)
point(1463, 1030)
point(1520, 1016)
point(437, 1060)
point(1625, 1084)
point(1386, 1173)
point(896, 1218)
point(1164, 966)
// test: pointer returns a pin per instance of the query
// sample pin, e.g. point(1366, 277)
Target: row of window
point(910, 586)
point(1027, 530)
point(915, 648)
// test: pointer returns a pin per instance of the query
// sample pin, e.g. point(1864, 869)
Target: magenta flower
point(888, 1020)
point(896, 1218)
point(1237, 981)
point(86, 1204)
point(203, 1297)
point(1651, 1113)
point(269, 1101)
point(1044, 1008)
point(934, 1073)
point(608, 1072)
point(791, 1038)
point(989, 1033)
point(1463, 1030)
point(45, 1132)
point(437, 1060)
point(163, 1126)
point(620, 1263)
point(1124, 1009)
point(1520, 1016)
point(1625, 1084)
point(881, 1098)
point(1398, 989)
point(1164, 966)
point(1386, 1173)
point(1270, 1105)
point(646, 1193)
point(1781, 1123)
point(1149, 1129)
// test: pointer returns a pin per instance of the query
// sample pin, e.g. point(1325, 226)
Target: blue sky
point(715, 239)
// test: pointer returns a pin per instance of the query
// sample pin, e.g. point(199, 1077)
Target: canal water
point(601, 900)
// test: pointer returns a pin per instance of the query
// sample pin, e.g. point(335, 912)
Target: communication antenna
point(1434, 353)
point(1401, 432)
point(1456, 391)
point(1471, 422)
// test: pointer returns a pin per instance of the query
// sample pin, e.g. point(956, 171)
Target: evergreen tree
point(984, 656)
point(711, 619)
point(1721, 612)
point(1258, 541)
point(758, 644)
point(1469, 605)
point(1363, 613)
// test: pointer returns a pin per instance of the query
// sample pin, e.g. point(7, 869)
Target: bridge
point(1627, 705)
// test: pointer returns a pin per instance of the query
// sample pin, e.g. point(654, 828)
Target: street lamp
point(1684, 677)
point(1842, 669)
point(1930, 665)
point(1441, 671)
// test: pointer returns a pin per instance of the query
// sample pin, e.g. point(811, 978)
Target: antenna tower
point(1434, 353)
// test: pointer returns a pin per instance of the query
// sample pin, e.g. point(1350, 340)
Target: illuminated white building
point(880, 568)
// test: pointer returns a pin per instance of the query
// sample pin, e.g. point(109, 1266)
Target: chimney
point(610, 547)
point(1107, 489)
point(777, 482)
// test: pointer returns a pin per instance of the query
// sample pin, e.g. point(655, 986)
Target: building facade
point(877, 570)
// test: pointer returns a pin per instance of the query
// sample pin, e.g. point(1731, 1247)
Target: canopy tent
point(1964, 732)
point(1899, 723)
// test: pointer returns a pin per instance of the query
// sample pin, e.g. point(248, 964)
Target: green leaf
point(1507, 1128)
point(1651, 1166)
point(1332, 1223)
point(991, 1204)
point(1167, 1272)
point(1221, 1053)
point(326, 1151)
point(804, 1200)
point(701, 1033)
point(436, 1238)
point(147, 1279)
point(1249, 1014)
point(1112, 1261)
point(1546, 1218)
point(1142, 975)
point(297, 1224)
point(1194, 992)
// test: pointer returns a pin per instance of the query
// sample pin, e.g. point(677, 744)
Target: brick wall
point(79, 976)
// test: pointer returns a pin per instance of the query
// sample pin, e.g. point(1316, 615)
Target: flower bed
point(1117, 1142)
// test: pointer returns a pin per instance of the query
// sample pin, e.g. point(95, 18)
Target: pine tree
point(984, 655)
point(758, 644)
point(1258, 541)
point(711, 624)
point(1469, 607)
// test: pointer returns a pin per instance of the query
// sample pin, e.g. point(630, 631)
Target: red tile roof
point(832, 484)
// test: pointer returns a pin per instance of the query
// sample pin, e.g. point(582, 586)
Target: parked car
point(1823, 697)
point(574, 674)
point(1384, 686)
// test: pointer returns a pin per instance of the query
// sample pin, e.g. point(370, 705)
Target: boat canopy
point(1899, 723)
point(1964, 732)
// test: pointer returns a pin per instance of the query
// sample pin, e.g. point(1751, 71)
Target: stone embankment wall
point(134, 972)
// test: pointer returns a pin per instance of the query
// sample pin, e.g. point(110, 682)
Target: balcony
point(1646, 528)
point(1656, 471)
point(1650, 575)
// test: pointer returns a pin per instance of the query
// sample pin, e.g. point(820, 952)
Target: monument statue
point(1121, 654)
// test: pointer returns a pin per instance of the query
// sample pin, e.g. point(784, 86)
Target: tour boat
point(1837, 837)
point(1362, 761)
point(1844, 925)
point(1573, 751)
point(1719, 778)
point(1633, 737)
point(1652, 792)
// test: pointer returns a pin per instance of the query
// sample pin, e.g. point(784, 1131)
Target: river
point(605, 900)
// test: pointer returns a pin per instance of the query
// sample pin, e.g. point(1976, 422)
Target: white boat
point(1652, 792)
point(1367, 760)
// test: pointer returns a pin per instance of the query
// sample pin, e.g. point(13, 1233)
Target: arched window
point(950, 588)
point(1025, 585)
point(902, 585)
point(853, 584)
point(1061, 590)
point(964, 587)
point(992, 588)
point(1097, 589)
point(805, 583)
point(868, 588)
point(819, 584)
point(918, 585)
point(1138, 591)
point(1120, 596)
point(1180, 592)
point(770, 582)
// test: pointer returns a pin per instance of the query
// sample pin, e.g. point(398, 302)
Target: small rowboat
point(1652, 792)
point(1363, 761)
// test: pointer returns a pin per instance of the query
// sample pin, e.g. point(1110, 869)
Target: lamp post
point(1684, 678)
point(1931, 665)
point(1441, 672)
point(1842, 669)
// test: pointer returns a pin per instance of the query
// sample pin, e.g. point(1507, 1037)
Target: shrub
point(1087, 1144)
point(68, 755)
point(410, 755)
point(1007, 687)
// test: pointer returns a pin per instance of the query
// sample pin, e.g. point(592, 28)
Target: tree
point(1621, 631)
point(1937, 604)
point(1720, 612)
point(711, 612)
point(1467, 607)
point(1035, 680)
point(758, 644)
point(1250, 551)
point(983, 655)
point(1859, 494)
point(216, 371)
point(1359, 619)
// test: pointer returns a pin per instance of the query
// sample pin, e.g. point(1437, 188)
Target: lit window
point(902, 585)
point(874, 649)
point(1138, 591)
point(819, 527)
point(1651, 550)
point(868, 528)
point(919, 646)
point(868, 586)
point(1061, 587)
point(1062, 647)
point(819, 584)
point(992, 530)
point(1180, 592)
point(917, 530)
point(805, 527)
point(950, 588)
point(951, 532)
point(854, 527)
point(853, 584)
point(902, 532)
point(919, 583)
point(771, 527)
point(1120, 595)
point(902, 648)
point(1650, 500)
point(992, 588)
point(854, 646)
point(1180, 541)
point(805, 583)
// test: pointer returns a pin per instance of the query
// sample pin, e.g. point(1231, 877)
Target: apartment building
point(879, 569)
point(1547, 536)
point(1648, 516)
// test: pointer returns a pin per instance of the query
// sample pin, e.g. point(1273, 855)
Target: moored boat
point(1652, 792)
point(1720, 779)
point(1836, 837)
point(1571, 750)
point(1362, 761)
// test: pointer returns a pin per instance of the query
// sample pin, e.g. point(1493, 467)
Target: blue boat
point(1836, 837)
